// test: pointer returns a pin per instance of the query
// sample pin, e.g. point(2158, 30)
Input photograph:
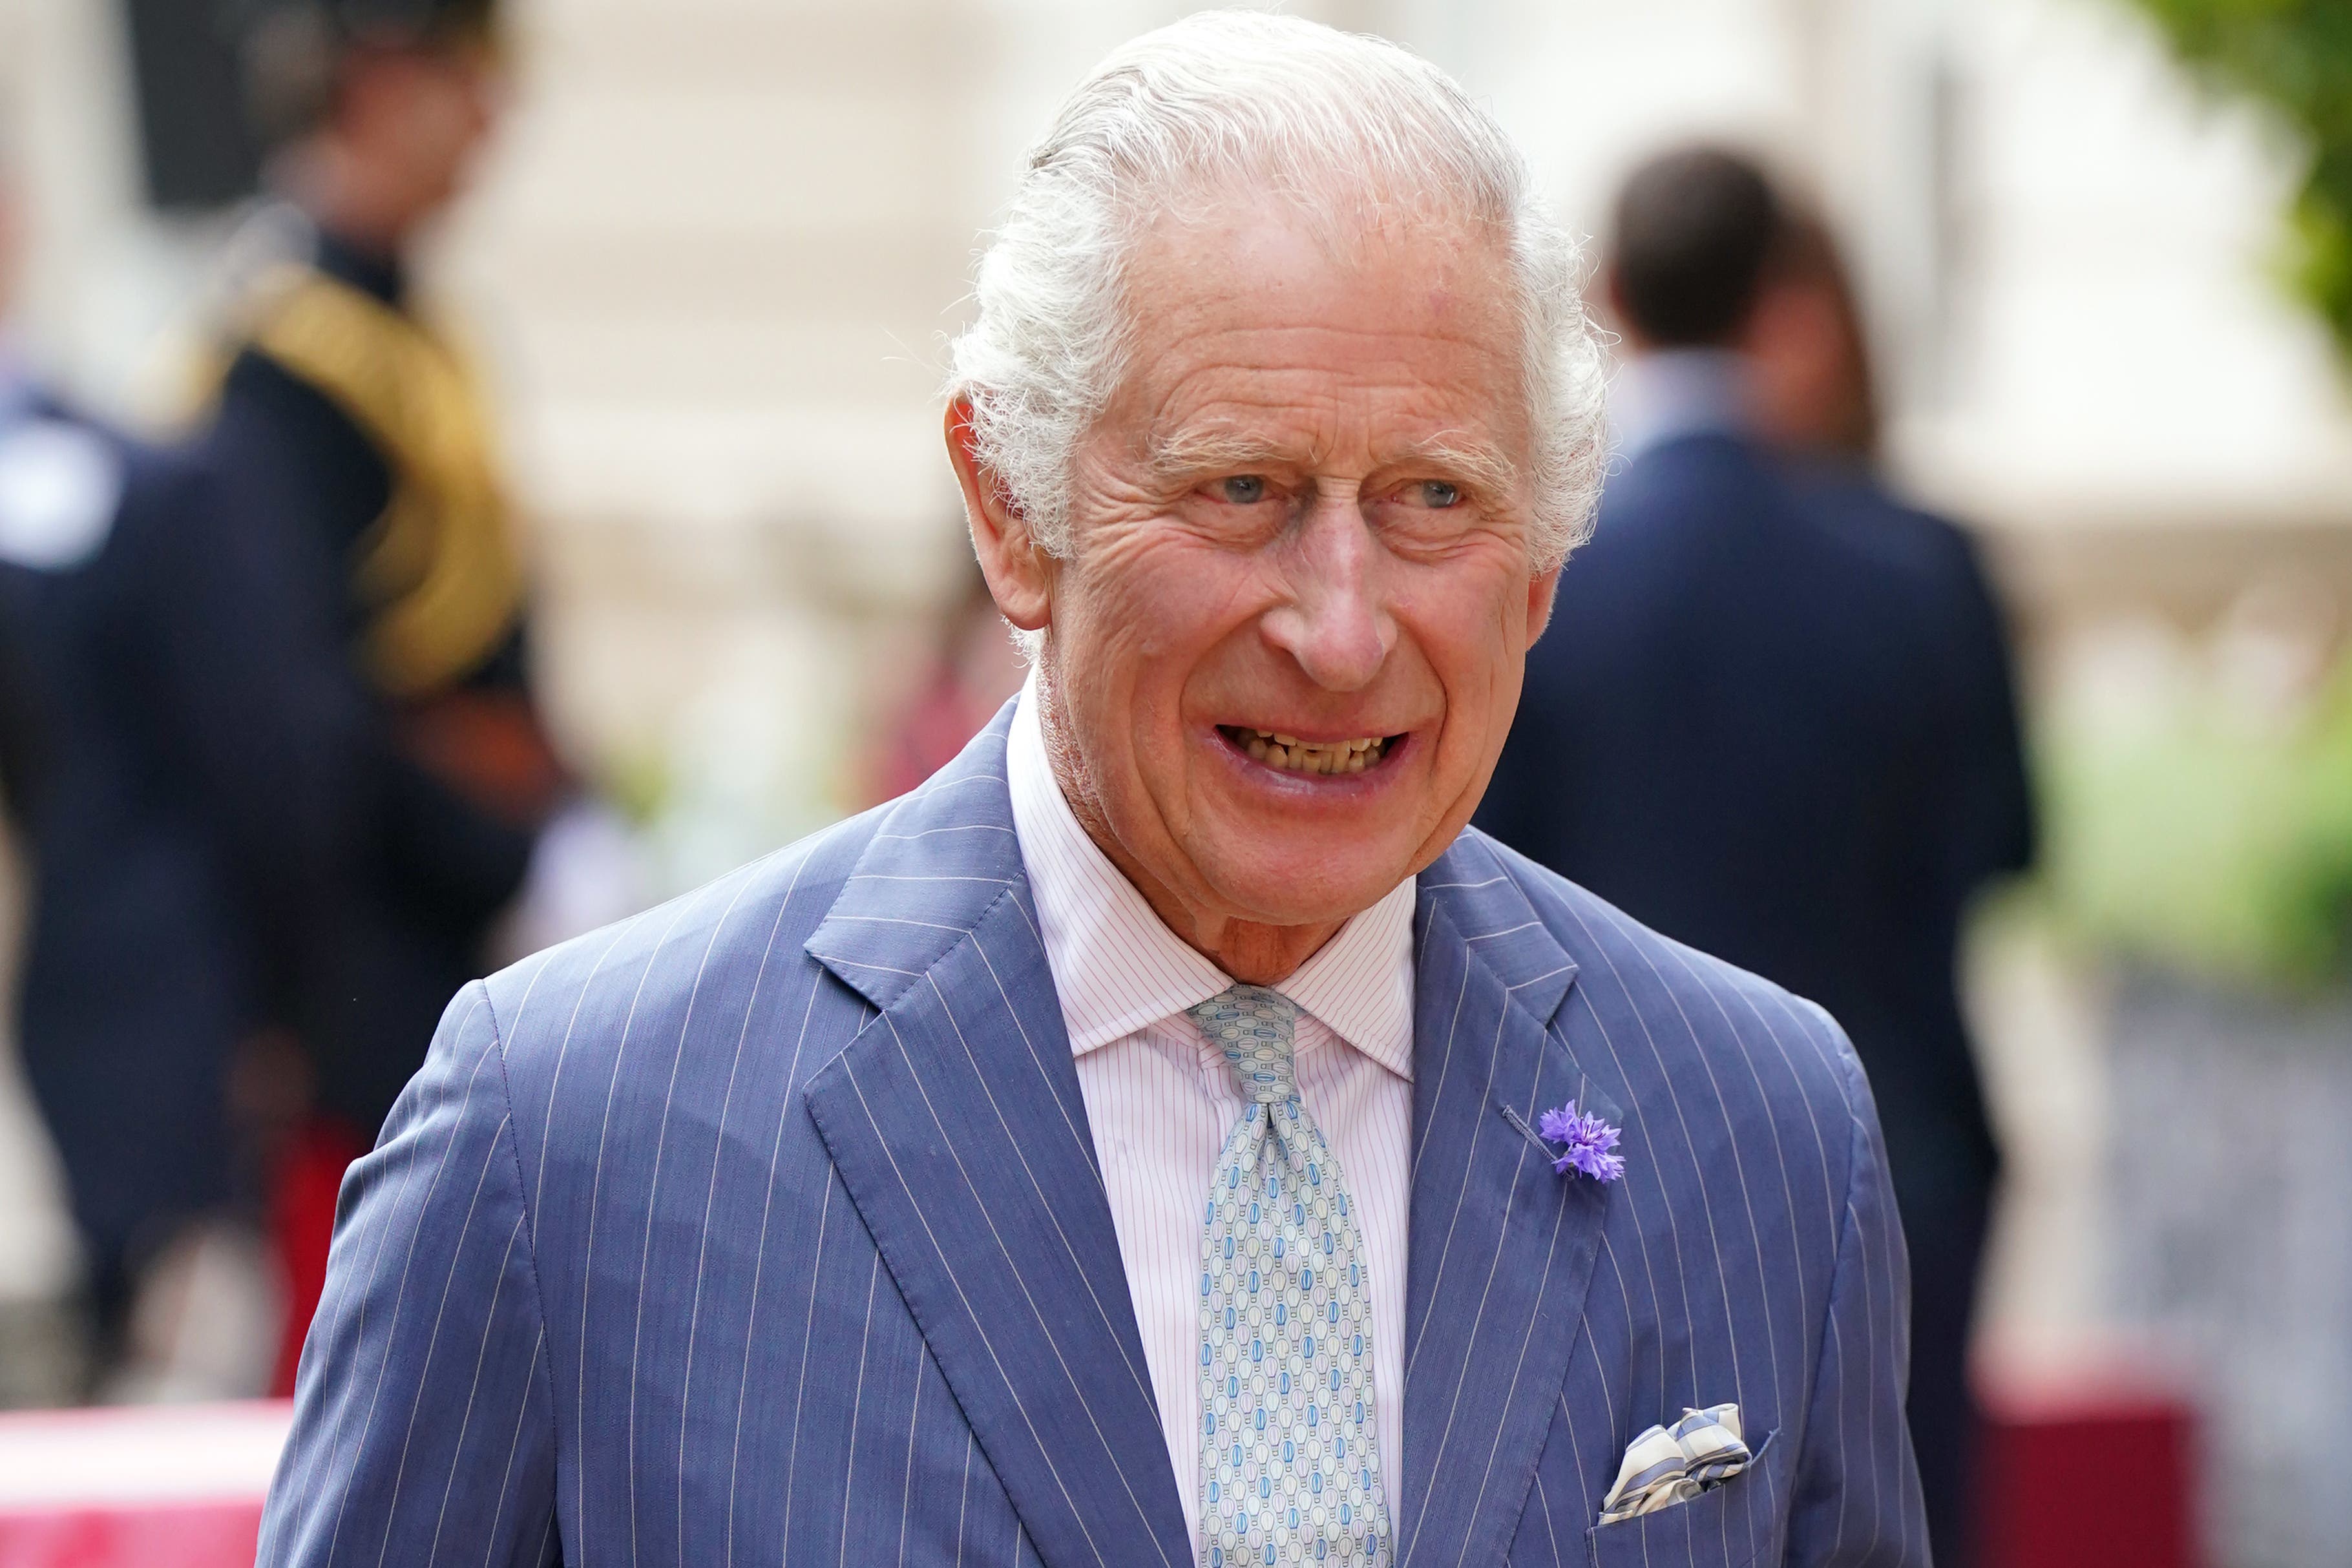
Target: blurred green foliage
point(2294, 57)
point(2198, 835)
point(2207, 843)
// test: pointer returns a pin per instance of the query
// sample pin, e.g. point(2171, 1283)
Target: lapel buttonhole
point(1519, 1125)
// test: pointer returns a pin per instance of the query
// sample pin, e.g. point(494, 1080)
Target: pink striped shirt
point(1161, 1102)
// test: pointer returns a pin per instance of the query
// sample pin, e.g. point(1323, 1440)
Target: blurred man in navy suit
point(1814, 401)
point(1773, 715)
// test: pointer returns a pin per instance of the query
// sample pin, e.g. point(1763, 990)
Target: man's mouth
point(1289, 753)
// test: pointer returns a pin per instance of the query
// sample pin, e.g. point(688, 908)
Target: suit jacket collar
point(1502, 1248)
point(939, 859)
point(957, 1125)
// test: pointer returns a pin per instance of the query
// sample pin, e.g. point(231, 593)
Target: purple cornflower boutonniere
point(1589, 1140)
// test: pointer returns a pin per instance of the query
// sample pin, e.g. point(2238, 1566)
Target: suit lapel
point(955, 1120)
point(1501, 1249)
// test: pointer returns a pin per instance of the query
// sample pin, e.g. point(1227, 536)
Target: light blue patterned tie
point(1290, 1464)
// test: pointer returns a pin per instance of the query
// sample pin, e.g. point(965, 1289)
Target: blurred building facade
point(720, 250)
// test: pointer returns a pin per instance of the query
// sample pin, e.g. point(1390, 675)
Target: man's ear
point(1542, 589)
point(1019, 573)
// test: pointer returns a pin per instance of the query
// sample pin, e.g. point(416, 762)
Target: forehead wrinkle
point(1238, 396)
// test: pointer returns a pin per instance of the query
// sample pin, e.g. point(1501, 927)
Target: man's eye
point(1436, 493)
point(1242, 489)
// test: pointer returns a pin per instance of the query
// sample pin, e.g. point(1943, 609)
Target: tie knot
point(1255, 1028)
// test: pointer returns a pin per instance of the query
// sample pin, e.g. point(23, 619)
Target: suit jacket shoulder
point(584, 999)
point(1623, 963)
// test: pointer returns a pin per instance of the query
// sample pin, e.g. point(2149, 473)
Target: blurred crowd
point(266, 729)
point(268, 740)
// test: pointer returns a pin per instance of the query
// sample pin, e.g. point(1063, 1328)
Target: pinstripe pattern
point(767, 1226)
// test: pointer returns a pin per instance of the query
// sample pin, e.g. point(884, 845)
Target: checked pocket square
point(1667, 1465)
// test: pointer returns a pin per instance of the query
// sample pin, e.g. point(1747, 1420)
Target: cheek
point(1157, 591)
point(1472, 630)
point(454, 121)
point(1134, 616)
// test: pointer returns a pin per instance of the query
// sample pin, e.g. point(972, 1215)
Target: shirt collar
point(1359, 983)
point(1117, 965)
point(1675, 392)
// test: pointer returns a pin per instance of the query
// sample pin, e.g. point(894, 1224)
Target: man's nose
point(1334, 623)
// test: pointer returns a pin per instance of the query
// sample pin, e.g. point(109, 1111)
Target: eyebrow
point(1485, 466)
point(1191, 454)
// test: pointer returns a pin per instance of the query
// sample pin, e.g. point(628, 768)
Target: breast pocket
point(1730, 1526)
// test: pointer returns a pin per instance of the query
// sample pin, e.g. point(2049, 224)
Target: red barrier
point(138, 1487)
point(309, 1179)
point(2087, 1473)
point(215, 1535)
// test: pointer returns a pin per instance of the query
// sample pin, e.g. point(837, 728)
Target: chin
point(1306, 883)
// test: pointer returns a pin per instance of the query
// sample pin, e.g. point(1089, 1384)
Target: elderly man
point(1167, 1135)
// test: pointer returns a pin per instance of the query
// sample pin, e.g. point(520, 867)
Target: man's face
point(1304, 519)
point(1805, 366)
point(418, 118)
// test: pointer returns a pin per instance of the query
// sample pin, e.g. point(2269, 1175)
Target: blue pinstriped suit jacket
point(767, 1228)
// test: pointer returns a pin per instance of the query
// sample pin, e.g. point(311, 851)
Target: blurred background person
point(1810, 395)
point(1841, 770)
point(137, 984)
point(351, 437)
point(973, 670)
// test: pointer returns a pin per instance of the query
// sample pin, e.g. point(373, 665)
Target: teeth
point(1276, 750)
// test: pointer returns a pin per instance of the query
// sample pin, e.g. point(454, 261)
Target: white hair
point(1320, 117)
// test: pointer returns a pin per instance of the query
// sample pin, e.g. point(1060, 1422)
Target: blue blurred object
point(137, 981)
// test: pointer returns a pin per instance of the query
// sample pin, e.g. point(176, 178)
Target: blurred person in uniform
point(1774, 714)
point(126, 660)
point(352, 436)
